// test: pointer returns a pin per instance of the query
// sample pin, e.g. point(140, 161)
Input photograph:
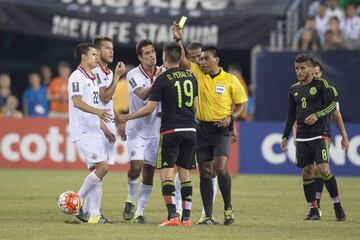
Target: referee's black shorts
point(212, 141)
point(177, 148)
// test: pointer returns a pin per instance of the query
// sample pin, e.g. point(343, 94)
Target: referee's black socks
point(207, 192)
point(225, 188)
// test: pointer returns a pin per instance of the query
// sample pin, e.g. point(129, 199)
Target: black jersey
point(315, 97)
point(176, 88)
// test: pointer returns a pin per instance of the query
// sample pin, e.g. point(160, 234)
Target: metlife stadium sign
point(226, 23)
point(260, 150)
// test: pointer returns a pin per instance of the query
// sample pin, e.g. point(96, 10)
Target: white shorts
point(109, 149)
point(91, 150)
point(145, 149)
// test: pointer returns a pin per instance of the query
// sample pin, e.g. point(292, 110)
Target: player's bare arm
point(341, 126)
point(106, 93)
point(142, 112)
point(143, 93)
point(108, 134)
point(101, 113)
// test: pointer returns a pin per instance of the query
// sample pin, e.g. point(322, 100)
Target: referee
point(218, 91)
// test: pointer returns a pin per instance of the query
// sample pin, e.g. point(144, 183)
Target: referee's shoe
point(229, 217)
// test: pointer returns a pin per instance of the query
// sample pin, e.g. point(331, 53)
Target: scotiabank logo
point(42, 143)
point(270, 150)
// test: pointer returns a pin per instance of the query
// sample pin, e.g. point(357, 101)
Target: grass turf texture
point(266, 207)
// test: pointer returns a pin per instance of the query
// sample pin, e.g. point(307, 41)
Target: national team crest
point(75, 87)
point(220, 89)
point(313, 91)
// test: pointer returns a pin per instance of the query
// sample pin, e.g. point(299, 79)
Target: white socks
point(178, 199)
point(144, 195)
point(89, 184)
point(132, 189)
point(94, 198)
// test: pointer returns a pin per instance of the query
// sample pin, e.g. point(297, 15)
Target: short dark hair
point(172, 52)
point(82, 48)
point(142, 43)
point(316, 63)
point(304, 57)
point(214, 51)
point(193, 46)
point(99, 39)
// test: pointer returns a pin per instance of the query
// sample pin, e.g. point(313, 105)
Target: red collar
point(87, 75)
point(107, 71)
point(152, 77)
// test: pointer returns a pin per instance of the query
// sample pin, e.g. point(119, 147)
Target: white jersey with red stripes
point(149, 126)
point(82, 123)
point(105, 78)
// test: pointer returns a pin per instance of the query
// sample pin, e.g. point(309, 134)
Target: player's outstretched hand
point(176, 30)
point(105, 115)
point(311, 119)
point(283, 144)
point(120, 69)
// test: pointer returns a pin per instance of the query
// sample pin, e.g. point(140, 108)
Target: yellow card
point(182, 21)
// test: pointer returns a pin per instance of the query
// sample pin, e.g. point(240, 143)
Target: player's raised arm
point(106, 93)
point(177, 34)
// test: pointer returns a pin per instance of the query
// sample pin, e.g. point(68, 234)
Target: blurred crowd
point(46, 95)
point(330, 25)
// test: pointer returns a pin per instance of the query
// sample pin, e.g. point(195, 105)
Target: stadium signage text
point(210, 5)
point(126, 32)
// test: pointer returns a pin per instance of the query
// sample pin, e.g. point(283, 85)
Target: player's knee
point(206, 172)
point(135, 170)
point(221, 171)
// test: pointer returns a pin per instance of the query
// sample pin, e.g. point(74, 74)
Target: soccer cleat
point(128, 211)
point(313, 215)
point(139, 219)
point(99, 219)
point(187, 223)
point(340, 214)
point(202, 218)
point(170, 222)
point(82, 216)
point(208, 221)
point(229, 217)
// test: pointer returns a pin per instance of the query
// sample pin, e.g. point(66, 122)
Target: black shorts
point(212, 141)
point(177, 148)
point(312, 151)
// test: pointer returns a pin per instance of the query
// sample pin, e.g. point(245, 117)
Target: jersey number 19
point(187, 90)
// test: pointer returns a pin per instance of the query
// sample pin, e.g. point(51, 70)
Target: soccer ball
point(69, 202)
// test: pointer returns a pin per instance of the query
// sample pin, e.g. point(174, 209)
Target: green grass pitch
point(266, 207)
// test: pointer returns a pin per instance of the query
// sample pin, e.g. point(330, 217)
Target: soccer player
point(193, 52)
point(311, 101)
point(142, 134)
point(86, 121)
point(218, 90)
point(176, 89)
point(107, 85)
point(319, 72)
